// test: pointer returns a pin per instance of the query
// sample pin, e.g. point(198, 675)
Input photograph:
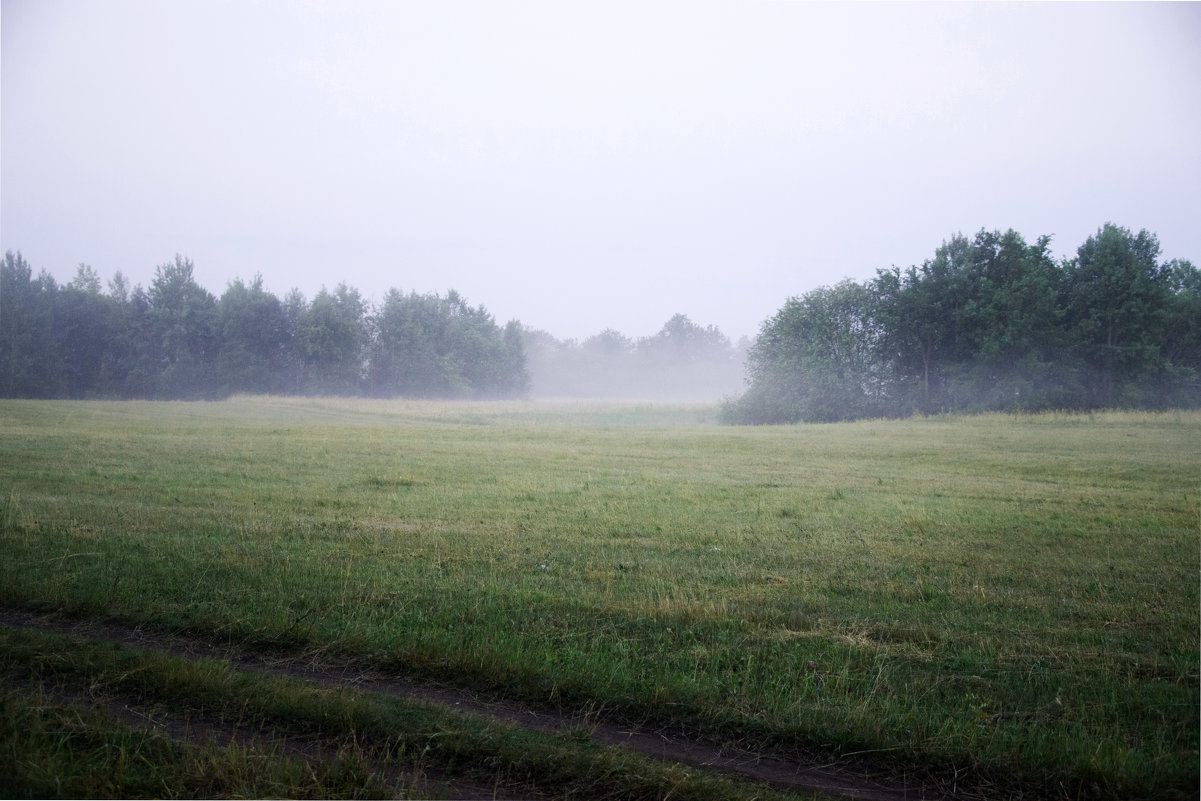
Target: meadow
point(997, 602)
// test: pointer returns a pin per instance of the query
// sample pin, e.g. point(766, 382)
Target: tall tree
point(1117, 301)
point(87, 331)
point(407, 354)
point(295, 305)
point(331, 336)
point(815, 360)
point(182, 329)
point(977, 326)
point(1007, 324)
point(512, 378)
point(254, 339)
point(1182, 333)
point(913, 312)
point(430, 346)
point(117, 365)
point(29, 364)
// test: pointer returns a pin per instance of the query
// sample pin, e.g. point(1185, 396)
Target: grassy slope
point(1008, 596)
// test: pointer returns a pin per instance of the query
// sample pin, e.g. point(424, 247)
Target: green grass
point(1014, 598)
point(58, 749)
point(345, 744)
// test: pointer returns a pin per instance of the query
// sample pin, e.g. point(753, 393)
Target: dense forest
point(175, 340)
point(990, 323)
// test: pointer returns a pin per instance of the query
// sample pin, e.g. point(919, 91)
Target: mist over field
point(701, 201)
point(709, 394)
point(585, 166)
point(683, 362)
point(990, 323)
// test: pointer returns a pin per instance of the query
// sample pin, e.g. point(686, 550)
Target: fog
point(585, 166)
point(683, 362)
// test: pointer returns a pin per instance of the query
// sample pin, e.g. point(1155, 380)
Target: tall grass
point(1011, 596)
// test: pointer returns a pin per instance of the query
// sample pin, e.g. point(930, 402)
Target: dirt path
point(844, 779)
point(200, 729)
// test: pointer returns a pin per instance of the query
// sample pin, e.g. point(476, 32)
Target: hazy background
point(583, 166)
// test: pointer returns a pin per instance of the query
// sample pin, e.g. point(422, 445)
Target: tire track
point(851, 782)
point(202, 730)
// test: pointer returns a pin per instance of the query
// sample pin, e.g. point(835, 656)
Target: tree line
point(990, 323)
point(176, 340)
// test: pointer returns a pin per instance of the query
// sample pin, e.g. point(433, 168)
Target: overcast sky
point(579, 166)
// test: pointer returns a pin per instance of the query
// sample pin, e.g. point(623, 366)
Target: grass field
point(1008, 602)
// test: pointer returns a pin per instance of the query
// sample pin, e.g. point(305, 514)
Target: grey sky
point(586, 165)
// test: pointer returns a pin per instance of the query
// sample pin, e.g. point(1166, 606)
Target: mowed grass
point(1013, 599)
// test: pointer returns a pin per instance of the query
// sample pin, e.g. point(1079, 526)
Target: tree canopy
point(175, 340)
point(989, 323)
